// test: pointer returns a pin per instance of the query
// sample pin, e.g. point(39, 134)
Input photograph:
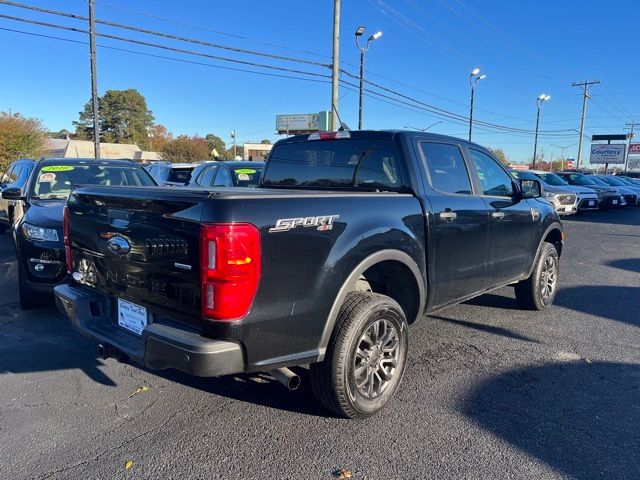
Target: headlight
point(39, 234)
point(548, 194)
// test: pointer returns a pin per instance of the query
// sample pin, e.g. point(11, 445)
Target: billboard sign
point(302, 123)
point(611, 154)
point(634, 149)
point(634, 163)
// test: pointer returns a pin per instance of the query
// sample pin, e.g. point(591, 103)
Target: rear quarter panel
point(303, 268)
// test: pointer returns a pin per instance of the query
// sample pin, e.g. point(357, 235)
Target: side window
point(7, 176)
point(15, 173)
point(494, 180)
point(446, 166)
point(206, 177)
point(378, 169)
point(223, 179)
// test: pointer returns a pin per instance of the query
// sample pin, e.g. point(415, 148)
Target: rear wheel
point(365, 358)
point(539, 290)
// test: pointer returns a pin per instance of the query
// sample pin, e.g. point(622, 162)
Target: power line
point(146, 54)
point(200, 27)
point(163, 35)
point(155, 45)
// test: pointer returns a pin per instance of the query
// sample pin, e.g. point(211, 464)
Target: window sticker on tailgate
point(245, 171)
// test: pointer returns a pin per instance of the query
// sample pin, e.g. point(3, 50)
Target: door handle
point(497, 215)
point(448, 215)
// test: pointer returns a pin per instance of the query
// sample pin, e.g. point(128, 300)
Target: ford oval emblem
point(119, 245)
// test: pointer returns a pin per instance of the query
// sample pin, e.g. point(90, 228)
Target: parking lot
point(490, 392)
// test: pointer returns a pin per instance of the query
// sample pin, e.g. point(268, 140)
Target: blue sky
point(426, 52)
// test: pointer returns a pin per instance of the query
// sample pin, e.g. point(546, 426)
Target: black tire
point(334, 380)
point(538, 291)
point(28, 298)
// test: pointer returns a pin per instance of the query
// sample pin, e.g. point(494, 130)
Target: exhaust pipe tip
point(286, 377)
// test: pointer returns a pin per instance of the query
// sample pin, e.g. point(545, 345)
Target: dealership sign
point(634, 149)
point(611, 154)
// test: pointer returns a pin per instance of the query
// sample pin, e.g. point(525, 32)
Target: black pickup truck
point(351, 237)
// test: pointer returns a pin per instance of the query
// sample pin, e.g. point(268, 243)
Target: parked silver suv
point(563, 199)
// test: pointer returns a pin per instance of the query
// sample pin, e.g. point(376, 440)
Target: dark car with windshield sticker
point(38, 213)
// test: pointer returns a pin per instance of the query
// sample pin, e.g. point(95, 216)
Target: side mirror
point(12, 194)
point(530, 188)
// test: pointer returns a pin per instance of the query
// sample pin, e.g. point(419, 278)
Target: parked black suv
point(351, 237)
point(16, 176)
point(37, 216)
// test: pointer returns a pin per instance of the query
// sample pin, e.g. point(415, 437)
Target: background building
point(62, 148)
point(256, 151)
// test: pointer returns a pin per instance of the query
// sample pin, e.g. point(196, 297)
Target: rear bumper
point(160, 346)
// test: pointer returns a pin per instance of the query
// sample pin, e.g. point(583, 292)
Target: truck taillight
point(230, 269)
point(67, 242)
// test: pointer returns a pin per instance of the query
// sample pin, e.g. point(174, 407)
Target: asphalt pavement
point(490, 392)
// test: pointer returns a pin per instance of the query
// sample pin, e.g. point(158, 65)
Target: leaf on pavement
point(344, 474)
point(128, 464)
point(141, 389)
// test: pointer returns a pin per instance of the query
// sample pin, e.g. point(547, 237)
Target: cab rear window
point(335, 164)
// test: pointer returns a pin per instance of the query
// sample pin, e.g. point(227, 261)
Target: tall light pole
point(423, 129)
point(562, 149)
point(541, 98)
point(363, 50)
point(474, 78)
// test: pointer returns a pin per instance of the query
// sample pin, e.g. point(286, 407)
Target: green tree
point(500, 155)
point(20, 137)
point(186, 149)
point(215, 143)
point(266, 142)
point(123, 117)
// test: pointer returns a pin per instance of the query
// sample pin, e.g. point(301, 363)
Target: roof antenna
point(343, 126)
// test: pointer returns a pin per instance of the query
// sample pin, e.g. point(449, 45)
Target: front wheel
point(365, 358)
point(538, 291)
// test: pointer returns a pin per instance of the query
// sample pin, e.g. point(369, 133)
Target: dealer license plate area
point(132, 317)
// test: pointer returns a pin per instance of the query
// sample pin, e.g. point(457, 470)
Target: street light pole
point(335, 65)
point(562, 149)
point(474, 77)
point(541, 98)
point(363, 50)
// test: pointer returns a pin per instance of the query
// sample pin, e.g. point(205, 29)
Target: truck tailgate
point(140, 245)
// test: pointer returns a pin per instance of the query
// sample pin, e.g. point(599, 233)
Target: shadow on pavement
point(613, 302)
point(486, 328)
point(579, 418)
point(257, 389)
point(493, 300)
point(42, 340)
point(629, 264)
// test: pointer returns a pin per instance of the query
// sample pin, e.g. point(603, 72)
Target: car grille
point(567, 199)
point(584, 204)
point(161, 247)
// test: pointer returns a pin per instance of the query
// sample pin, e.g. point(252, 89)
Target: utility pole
point(541, 98)
point(335, 67)
point(94, 79)
point(631, 127)
point(585, 94)
point(235, 151)
point(562, 149)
